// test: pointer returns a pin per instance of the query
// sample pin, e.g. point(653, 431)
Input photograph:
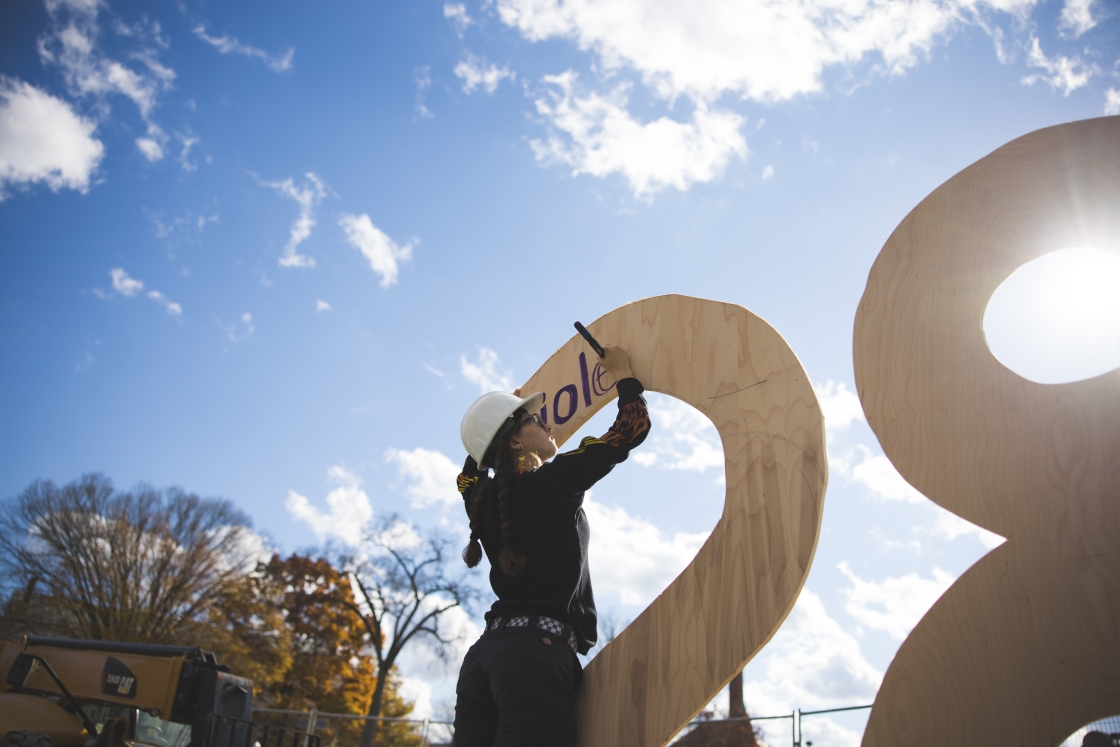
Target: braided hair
point(511, 561)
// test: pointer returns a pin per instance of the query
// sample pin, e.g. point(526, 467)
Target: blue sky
point(272, 252)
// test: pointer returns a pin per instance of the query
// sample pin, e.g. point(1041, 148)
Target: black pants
point(517, 688)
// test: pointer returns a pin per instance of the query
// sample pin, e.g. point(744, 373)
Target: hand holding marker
point(590, 340)
point(614, 358)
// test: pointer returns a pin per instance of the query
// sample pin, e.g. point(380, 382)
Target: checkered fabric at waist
point(559, 630)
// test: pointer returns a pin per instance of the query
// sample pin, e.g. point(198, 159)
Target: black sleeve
point(467, 479)
point(576, 471)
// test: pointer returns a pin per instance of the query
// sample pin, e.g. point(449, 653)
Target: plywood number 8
point(1025, 647)
point(737, 370)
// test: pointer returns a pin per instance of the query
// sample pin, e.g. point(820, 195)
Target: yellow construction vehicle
point(74, 693)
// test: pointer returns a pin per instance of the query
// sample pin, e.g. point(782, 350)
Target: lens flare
point(1056, 319)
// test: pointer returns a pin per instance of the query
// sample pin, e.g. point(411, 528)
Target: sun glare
point(1056, 319)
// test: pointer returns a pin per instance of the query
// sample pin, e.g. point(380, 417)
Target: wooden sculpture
point(644, 686)
point(1025, 647)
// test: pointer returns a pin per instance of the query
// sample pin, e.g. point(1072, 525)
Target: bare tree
point(404, 594)
point(92, 562)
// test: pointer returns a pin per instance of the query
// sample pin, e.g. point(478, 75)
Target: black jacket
point(549, 526)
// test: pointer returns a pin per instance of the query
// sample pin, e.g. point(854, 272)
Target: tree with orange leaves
point(332, 666)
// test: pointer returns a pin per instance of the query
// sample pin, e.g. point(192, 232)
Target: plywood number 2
point(1025, 647)
point(737, 370)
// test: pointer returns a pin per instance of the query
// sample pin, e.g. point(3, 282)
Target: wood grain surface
point(1025, 647)
point(644, 686)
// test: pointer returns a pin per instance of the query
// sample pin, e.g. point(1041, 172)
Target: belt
point(562, 631)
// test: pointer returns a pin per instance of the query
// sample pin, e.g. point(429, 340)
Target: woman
point(518, 682)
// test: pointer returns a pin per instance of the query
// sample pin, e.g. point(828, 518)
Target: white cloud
point(430, 476)
point(184, 229)
point(422, 77)
point(712, 50)
point(840, 406)
point(385, 256)
point(172, 308)
point(1004, 55)
point(457, 14)
point(1062, 73)
point(188, 142)
point(1077, 17)
point(144, 29)
point(123, 284)
point(596, 135)
point(876, 473)
point(129, 286)
point(71, 43)
point(229, 44)
point(631, 557)
point(485, 372)
point(151, 145)
point(1112, 101)
point(43, 140)
point(398, 534)
point(823, 730)
point(429, 680)
point(442, 376)
point(758, 49)
point(239, 333)
point(950, 526)
point(891, 541)
point(475, 72)
point(321, 305)
point(252, 549)
point(894, 605)
point(348, 509)
point(417, 691)
point(457, 626)
point(811, 662)
point(102, 76)
point(307, 196)
point(681, 437)
point(767, 173)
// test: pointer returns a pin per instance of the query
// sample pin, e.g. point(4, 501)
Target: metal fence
point(345, 729)
point(228, 731)
point(794, 721)
point(1108, 726)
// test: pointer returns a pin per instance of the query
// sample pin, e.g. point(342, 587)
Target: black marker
point(590, 340)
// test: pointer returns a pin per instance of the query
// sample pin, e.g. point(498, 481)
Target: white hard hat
point(486, 417)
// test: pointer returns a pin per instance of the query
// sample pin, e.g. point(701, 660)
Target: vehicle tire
point(25, 739)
